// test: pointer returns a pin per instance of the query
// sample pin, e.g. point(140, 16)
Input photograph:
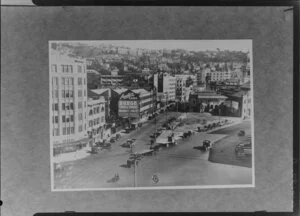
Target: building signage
point(127, 103)
point(65, 141)
point(235, 105)
point(129, 96)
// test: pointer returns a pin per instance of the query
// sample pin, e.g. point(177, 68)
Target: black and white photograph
point(151, 114)
point(149, 108)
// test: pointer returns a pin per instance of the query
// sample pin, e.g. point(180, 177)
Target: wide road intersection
point(180, 165)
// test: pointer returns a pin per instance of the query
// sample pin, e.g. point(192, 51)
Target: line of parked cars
point(211, 126)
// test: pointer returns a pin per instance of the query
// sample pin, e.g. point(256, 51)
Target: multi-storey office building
point(111, 80)
point(165, 85)
point(96, 120)
point(183, 84)
point(220, 75)
point(68, 101)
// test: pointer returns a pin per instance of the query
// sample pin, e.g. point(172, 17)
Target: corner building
point(68, 101)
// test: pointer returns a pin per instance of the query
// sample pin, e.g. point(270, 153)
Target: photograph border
point(53, 189)
point(295, 7)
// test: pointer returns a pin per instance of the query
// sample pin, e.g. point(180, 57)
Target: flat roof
point(140, 91)
point(99, 91)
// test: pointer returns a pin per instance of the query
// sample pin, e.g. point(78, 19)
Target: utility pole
point(167, 105)
point(136, 159)
point(134, 170)
point(129, 115)
point(219, 113)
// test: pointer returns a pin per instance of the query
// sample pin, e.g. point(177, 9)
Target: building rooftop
point(140, 91)
point(209, 94)
point(99, 91)
point(212, 96)
point(92, 101)
point(92, 71)
point(119, 90)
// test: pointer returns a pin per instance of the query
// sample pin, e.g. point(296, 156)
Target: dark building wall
point(114, 103)
point(160, 83)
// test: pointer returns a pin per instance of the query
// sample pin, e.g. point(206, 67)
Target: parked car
point(244, 149)
point(207, 144)
point(241, 133)
point(106, 146)
point(202, 129)
point(118, 136)
point(95, 149)
point(128, 143)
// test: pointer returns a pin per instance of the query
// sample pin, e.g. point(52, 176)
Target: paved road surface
point(224, 150)
point(179, 165)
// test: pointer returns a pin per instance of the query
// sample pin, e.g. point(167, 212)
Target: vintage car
point(241, 133)
point(106, 146)
point(206, 145)
point(128, 143)
point(118, 136)
point(244, 149)
point(112, 140)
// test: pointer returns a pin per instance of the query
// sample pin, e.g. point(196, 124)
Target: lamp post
point(136, 159)
point(219, 113)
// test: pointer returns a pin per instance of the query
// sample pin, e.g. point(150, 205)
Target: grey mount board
point(25, 168)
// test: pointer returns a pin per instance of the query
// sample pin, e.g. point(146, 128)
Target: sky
point(190, 45)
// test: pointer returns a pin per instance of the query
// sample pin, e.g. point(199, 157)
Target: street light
point(136, 159)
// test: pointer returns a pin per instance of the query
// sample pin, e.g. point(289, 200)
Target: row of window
point(79, 80)
point(68, 106)
point(67, 68)
point(80, 93)
point(67, 130)
point(96, 121)
point(68, 93)
point(249, 100)
point(68, 81)
point(67, 118)
point(96, 110)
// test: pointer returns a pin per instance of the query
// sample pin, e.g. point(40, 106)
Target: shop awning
point(74, 143)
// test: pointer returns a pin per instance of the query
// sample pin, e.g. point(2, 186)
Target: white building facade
point(68, 101)
point(114, 80)
point(165, 85)
point(220, 75)
point(96, 120)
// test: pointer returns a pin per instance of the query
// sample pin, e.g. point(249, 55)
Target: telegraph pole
point(136, 159)
point(219, 113)
point(129, 115)
point(167, 105)
point(134, 170)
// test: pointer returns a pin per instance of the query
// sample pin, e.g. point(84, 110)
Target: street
point(224, 150)
point(179, 165)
